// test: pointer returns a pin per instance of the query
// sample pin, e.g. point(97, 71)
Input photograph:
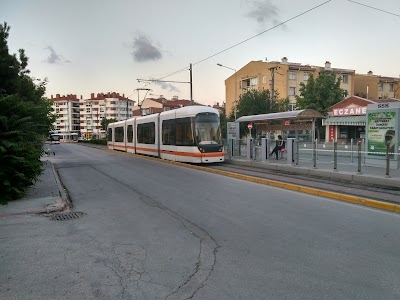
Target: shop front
point(346, 120)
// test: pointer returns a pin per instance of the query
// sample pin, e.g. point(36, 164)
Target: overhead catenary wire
point(375, 8)
point(248, 39)
point(269, 29)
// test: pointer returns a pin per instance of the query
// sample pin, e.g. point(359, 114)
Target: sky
point(91, 46)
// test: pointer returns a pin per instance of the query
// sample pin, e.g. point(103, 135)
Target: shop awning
point(347, 120)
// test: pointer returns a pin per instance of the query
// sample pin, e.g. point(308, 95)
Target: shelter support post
point(264, 149)
point(249, 149)
point(290, 149)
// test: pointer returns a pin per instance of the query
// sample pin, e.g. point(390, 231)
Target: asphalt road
point(152, 230)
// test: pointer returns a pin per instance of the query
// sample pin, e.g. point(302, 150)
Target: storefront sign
point(350, 111)
point(381, 130)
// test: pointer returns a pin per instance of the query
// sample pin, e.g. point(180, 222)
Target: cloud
point(263, 11)
point(54, 57)
point(167, 86)
point(144, 50)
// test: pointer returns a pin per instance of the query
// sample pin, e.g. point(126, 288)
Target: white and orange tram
point(188, 134)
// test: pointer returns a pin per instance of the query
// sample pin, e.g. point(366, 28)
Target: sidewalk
point(45, 196)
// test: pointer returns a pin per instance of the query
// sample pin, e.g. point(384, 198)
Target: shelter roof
point(305, 114)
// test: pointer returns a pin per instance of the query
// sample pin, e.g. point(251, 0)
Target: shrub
point(25, 119)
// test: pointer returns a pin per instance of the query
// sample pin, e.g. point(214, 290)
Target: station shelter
point(346, 119)
point(297, 124)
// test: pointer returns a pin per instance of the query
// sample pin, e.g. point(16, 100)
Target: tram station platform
point(370, 175)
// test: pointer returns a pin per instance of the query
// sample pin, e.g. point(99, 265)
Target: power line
point(250, 38)
point(375, 8)
point(269, 29)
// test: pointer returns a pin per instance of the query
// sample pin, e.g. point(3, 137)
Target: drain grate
point(67, 216)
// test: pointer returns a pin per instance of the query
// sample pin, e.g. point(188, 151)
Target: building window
point(380, 87)
point(345, 78)
point(250, 82)
point(292, 91)
point(292, 75)
point(264, 79)
point(292, 106)
point(306, 76)
point(391, 87)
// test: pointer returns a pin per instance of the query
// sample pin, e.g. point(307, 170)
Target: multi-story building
point(100, 106)
point(284, 76)
point(66, 109)
point(372, 86)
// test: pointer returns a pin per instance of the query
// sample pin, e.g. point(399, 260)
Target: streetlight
point(234, 103)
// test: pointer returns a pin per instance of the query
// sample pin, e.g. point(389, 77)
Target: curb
point(64, 202)
point(289, 186)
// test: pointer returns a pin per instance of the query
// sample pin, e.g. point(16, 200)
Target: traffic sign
point(249, 126)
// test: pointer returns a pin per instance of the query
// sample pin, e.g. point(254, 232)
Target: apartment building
point(372, 86)
point(286, 78)
point(66, 108)
point(94, 109)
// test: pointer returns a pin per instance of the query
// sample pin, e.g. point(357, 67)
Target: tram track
point(346, 188)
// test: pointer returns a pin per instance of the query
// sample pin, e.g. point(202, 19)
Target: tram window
point(168, 132)
point(184, 132)
point(129, 133)
point(146, 133)
point(119, 134)
point(109, 135)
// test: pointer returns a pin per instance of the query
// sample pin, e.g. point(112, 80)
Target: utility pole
point(157, 80)
point(273, 69)
point(191, 85)
point(235, 100)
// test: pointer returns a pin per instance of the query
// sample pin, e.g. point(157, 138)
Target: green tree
point(223, 123)
point(255, 102)
point(105, 122)
point(320, 93)
point(25, 120)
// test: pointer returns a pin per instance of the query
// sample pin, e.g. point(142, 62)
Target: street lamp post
point(235, 102)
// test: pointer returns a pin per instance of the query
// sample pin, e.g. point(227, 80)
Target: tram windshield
point(207, 129)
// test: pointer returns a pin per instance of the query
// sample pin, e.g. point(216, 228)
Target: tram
point(188, 134)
